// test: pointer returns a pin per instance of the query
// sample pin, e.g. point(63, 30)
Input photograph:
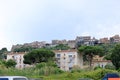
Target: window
point(13, 57)
point(20, 61)
point(71, 60)
point(19, 78)
point(70, 68)
point(58, 55)
point(70, 55)
point(24, 65)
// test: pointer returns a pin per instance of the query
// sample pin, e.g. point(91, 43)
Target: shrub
point(97, 67)
point(110, 66)
point(76, 68)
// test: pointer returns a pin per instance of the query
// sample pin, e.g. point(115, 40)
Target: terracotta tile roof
point(11, 53)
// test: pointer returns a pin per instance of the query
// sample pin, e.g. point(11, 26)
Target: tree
point(2, 53)
point(43, 64)
point(107, 48)
point(115, 56)
point(108, 56)
point(10, 63)
point(90, 51)
point(60, 47)
point(4, 50)
point(38, 56)
point(23, 49)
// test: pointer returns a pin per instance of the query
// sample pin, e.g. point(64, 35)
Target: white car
point(13, 78)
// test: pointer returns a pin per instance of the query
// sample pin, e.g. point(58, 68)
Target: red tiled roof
point(16, 53)
point(102, 61)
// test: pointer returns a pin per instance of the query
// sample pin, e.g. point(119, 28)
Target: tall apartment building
point(67, 59)
point(18, 57)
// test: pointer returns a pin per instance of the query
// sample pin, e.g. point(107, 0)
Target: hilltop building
point(104, 40)
point(71, 44)
point(34, 44)
point(115, 39)
point(85, 40)
point(56, 42)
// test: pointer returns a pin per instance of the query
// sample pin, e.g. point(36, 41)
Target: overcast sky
point(24, 21)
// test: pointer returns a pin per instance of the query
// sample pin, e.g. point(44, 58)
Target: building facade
point(18, 57)
point(101, 64)
point(83, 40)
point(115, 39)
point(56, 42)
point(67, 59)
point(104, 40)
point(99, 61)
point(71, 44)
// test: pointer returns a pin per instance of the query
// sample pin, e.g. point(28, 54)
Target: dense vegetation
point(90, 51)
point(3, 52)
point(29, 48)
point(60, 47)
point(24, 49)
point(38, 56)
point(116, 56)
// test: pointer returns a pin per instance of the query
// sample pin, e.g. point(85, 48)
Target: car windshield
point(19, 79)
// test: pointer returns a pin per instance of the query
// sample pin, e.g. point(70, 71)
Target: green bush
point(110, 66)
point(76, 68)
point(47, 68)
point(97, 67)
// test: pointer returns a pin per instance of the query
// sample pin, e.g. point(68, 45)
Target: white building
point(67, 59)
point(102, 63)
point(18, 57)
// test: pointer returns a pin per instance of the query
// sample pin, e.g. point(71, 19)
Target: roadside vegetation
point(45, 72)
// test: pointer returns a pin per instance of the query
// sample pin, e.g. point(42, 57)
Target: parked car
point(13, 78)
point(110, 75)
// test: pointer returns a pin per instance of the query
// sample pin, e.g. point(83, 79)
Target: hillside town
point(65, 59)
point(79, 40)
